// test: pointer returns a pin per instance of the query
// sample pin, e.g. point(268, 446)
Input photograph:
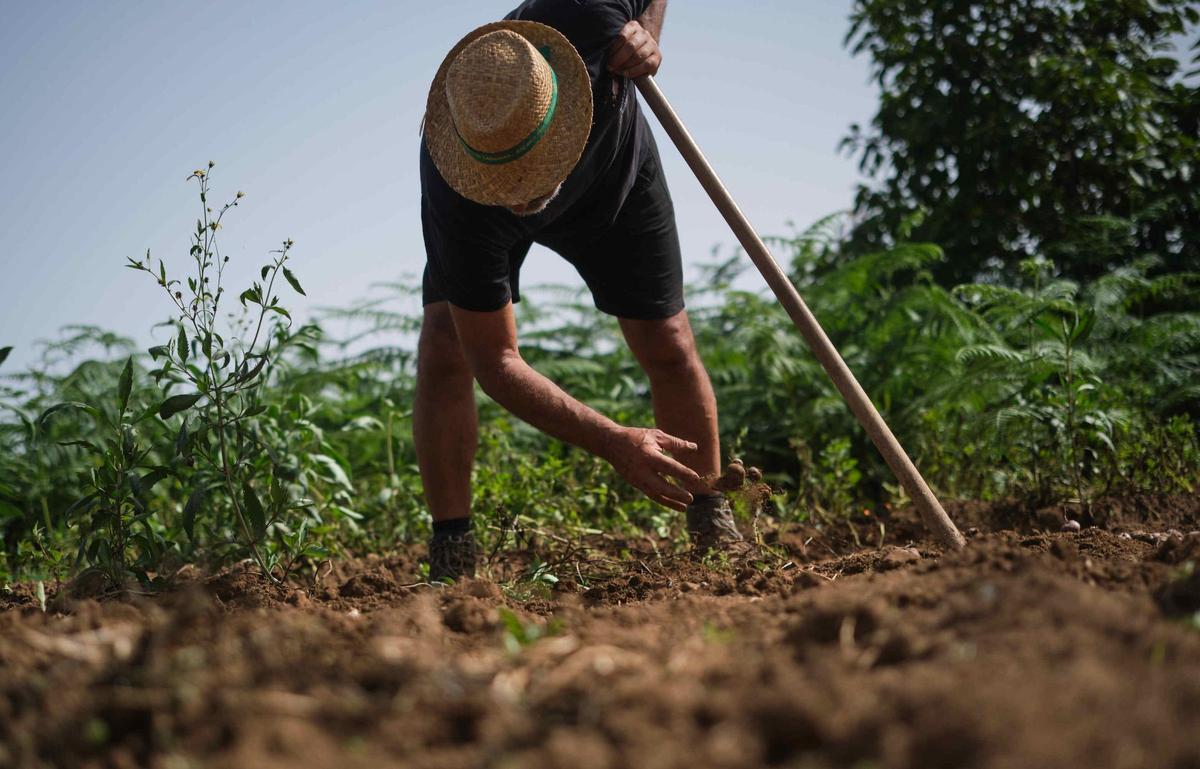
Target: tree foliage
point(1017, 124)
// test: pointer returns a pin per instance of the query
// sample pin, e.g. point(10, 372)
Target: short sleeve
point(619, 12)
point(606, 17)
point(635, 7)
point(590, 25)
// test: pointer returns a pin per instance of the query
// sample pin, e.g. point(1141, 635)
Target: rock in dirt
point(1071, 527)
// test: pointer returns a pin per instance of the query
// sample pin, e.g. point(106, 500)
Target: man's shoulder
point(542, 10)
point(588, 24)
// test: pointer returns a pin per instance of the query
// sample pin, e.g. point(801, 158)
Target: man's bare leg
point(684, 403)
point(445, 423)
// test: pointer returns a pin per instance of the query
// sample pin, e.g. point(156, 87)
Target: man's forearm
point(516, 386)
point(652, 18)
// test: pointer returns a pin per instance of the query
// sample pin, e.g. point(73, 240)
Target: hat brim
point(537, 172)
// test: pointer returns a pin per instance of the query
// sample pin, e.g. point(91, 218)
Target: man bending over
point(532, 135)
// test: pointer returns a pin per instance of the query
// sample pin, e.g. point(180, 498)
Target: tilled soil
point(1026, 650)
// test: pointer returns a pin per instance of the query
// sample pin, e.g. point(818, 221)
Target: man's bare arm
point(652, 19)
point(489, 341)
point(634, 52)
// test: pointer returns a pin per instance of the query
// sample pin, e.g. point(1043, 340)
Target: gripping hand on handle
point(634, 52)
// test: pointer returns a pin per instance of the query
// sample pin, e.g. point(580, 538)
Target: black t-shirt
point(472, 247)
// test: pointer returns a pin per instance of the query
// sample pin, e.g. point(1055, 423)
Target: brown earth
point(1028, 649)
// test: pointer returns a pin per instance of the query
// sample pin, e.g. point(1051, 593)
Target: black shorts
point(632, 266)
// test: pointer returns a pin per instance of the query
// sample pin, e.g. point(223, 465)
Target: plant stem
point(216, 395)
point(391, 458)
point(227, 473)
point(1072, 438)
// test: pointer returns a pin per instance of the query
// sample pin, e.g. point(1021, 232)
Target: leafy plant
point(827, 485)
point(1047, 393)
point(223, 374)
point(116, 531)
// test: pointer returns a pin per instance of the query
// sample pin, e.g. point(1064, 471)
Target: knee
point(672, 352)
point(439, 355)
point(671, 361)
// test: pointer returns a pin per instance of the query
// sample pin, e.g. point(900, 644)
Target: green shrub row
point(260, 437)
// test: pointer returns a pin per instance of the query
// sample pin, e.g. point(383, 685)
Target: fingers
point(646, 51)
point(665, 493)
point(676, 506)
point(626, 54)
point(648, 67)
point(671, 443)
point(676, 469)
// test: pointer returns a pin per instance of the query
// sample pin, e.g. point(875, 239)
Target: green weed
point(518, 634)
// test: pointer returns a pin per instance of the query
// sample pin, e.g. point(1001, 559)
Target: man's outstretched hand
point(638, 455)
point(634, 52)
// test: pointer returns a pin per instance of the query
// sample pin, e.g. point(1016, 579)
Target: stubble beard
point(537, 205)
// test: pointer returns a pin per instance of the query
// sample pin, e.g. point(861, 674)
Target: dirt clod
point(735, 475)
point(1179, 549)
point(898, 556)
point(470, 615)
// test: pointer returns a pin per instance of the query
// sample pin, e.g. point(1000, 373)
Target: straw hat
point(509, 113)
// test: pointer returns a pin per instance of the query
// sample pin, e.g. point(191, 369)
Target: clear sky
point(313, 108)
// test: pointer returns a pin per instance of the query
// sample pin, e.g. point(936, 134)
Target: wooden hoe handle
point(906, 472)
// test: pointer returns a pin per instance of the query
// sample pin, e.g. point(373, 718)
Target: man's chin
point(531, 210)
point(537, 206)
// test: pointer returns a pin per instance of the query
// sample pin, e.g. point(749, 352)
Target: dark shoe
point(452, 557)
point(710, 523)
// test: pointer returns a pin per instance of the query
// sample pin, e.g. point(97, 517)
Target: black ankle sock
point(453, 526)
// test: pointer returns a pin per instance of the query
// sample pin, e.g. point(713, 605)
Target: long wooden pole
point(906, 472)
